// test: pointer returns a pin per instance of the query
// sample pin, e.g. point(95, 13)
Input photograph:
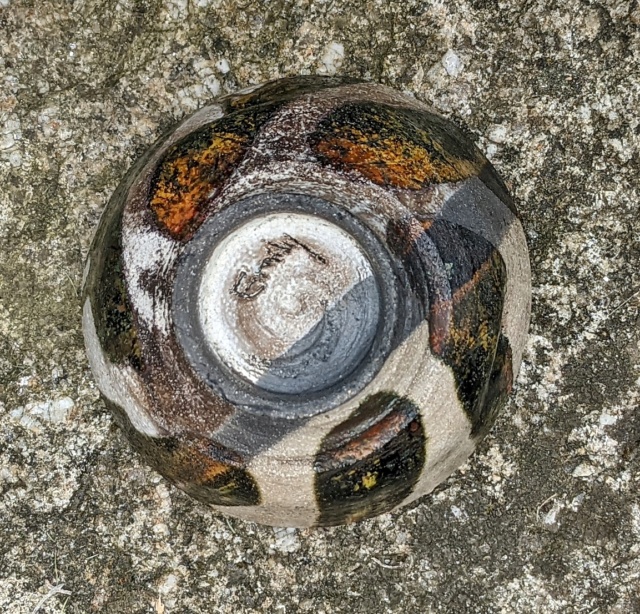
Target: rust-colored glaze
point(439, 326)
point(194, 169)
point(191, 462)
point(206, 471)
point(187, 180)
point(402, 234)
point(371, 439)
point(203, 469)
point(212, 474)
point(393, 162)
point(393, 147)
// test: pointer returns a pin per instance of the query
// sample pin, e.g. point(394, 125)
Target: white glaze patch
point(517, 302)
point(118, 384)
point(146, 254)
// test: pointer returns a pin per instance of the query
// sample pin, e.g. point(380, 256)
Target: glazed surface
point(308, 302)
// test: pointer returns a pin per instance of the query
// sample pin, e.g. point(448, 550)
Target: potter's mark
point(249, 285)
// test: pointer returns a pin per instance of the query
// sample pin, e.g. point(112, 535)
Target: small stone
point(584, 470)
point(223, 66)
point(498, 134)
point(607, 419)
point(576, 502)
point(169, 584)
point(59, 410)
point(33, 415)
point(551, 517)
point(212, 84)
point(286, 540)
point(452, 63)
point(332, 58)
point(458, 513)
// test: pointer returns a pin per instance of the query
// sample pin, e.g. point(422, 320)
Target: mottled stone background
point(544, 518)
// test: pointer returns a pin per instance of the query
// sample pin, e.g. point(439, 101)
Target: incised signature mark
point(248, 285)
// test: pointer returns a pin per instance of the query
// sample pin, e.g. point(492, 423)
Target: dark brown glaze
point(286, 89)
point(395, 147)
point(460, 279)
point(208, 472)
point(469, 346)
point(499, 386)
point(369, 464)
point(192, 171)
point(178, 398)
point(106, 287)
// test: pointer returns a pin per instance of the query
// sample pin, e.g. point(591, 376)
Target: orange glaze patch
point(400, 148)
point(371, 440)
point(188, 178)
point(214, 475)
point(195, 466)
point(392, 161)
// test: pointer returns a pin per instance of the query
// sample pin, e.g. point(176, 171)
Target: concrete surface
point(545, 518)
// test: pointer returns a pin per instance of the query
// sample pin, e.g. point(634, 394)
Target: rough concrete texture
point(544, 518)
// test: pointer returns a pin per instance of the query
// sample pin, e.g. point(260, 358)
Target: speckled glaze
point(306, 304)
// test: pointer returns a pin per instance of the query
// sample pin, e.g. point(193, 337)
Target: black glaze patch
point(286, 89)
point(208, 472)
point(396, 147)
point(193, 170)
point(106, 288)
point(477, 277)
point(499, 387)
point(370, 463)
point(461, 280)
